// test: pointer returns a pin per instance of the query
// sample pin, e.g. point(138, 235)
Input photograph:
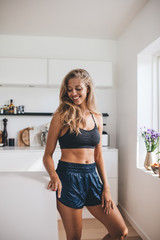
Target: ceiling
point(103, 19)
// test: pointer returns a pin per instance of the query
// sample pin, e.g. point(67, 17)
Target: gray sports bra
point(87, 138)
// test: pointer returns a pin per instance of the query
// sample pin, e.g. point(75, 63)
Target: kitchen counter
point(26, 163)
point(28, 209)
point(29, 159)
point(25, 148)
point(42, 148)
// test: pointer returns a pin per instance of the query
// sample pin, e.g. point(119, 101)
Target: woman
point(78, 127)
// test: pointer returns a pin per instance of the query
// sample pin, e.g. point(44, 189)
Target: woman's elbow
point(45, 159)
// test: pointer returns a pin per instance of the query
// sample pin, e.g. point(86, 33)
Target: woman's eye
point(77, 89)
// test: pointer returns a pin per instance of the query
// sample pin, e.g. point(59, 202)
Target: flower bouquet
point(151, 139)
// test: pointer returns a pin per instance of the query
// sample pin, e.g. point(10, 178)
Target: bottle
point(15, 109)
point(1, 110)
point(11, 107)
point(5, 109)
point(4, 133)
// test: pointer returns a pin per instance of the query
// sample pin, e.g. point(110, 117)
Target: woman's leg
point(72, 221)
point(113, 222)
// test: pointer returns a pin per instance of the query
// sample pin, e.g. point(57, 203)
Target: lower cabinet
point(23, 187)
point(31, 161)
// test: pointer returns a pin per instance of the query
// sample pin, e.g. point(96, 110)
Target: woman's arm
point(53, 134)
point(106, 195)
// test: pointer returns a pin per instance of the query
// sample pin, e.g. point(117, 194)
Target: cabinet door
point(100, 71)
point(23, 71)
point(113, 183)
point(111, 163)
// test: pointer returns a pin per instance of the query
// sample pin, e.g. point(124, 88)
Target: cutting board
point(24, 137)
point(0, 136)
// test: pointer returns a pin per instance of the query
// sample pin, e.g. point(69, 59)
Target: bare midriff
point(78, 155)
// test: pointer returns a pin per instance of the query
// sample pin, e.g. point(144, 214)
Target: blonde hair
point(70, 113)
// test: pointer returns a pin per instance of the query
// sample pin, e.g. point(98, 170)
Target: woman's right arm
point(53, 134)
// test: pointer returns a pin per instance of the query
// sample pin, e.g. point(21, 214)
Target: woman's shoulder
point(56, 115)
point(56, 119)
point(98, 118)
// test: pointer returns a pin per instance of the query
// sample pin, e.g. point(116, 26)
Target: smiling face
point(77, 91)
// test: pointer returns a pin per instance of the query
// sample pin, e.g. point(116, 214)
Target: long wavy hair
point(71, 115)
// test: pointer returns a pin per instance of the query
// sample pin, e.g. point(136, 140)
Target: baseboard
point(141, 233)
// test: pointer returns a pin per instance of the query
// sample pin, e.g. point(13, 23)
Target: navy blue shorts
point(81, 185)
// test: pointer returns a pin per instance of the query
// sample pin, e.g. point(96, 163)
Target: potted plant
point(151, 139)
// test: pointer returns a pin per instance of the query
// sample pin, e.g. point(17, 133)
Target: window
point(148, 94)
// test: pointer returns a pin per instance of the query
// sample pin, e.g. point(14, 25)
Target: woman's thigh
point(113, 222)
point(72, 221)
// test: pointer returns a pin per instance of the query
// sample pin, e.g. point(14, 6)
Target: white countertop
point(41, 148)
point(15, 159)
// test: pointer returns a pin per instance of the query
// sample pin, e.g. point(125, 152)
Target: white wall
point(138, 191)
point(38, 99)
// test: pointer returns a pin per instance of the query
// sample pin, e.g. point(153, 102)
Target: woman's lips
point(75, 98)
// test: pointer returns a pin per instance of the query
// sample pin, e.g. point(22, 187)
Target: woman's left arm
point(107, 202)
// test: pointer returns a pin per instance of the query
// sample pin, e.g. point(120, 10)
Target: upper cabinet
point(50, 72)
point(100, 71)
point(23, 71)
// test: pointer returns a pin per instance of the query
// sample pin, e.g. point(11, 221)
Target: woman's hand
point(107, 202)
point(55, 184)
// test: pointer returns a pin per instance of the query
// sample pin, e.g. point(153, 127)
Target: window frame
point(156, 92)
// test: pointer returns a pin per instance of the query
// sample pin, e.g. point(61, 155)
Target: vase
point(150, 158)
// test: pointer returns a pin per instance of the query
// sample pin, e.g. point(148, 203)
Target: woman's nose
point(74, 92)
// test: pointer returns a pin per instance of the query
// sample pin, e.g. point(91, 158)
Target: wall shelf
point(29, 114)
point(39, 114)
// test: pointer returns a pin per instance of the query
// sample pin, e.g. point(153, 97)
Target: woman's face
point(77, 91)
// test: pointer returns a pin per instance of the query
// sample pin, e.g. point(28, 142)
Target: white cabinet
point(111, 166)
point(30, 160)
point(28, 210)
point(100, 71)
point(23, 71)
point(21, 161)
point(50, 72)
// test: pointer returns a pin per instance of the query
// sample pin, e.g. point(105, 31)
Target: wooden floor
point(94, 230)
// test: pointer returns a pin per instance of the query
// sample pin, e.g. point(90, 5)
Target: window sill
point(149, 173)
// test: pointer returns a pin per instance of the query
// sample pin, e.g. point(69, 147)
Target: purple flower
point(149, 130)
point(151, 138)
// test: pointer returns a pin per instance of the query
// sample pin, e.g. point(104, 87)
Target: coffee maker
point(105, 135)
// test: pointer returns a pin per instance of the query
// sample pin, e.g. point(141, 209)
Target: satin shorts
point(81, 185)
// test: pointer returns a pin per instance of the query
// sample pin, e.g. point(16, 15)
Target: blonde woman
point(77, 126)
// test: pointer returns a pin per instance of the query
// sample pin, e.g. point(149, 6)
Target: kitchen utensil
point(44, 136)
point(105, 138)
point(24, 137)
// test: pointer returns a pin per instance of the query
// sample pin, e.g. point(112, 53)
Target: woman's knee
point(119, 235)
point(124, 233)
point(74, 237)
